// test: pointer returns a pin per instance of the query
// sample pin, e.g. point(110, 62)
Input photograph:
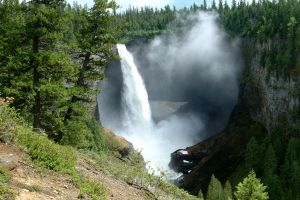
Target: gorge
point(211, 90)
point(192, 84)
point(101, 102)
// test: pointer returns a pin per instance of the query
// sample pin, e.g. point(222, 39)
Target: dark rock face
point(184, 161)
point(268, 95)
point(219, 155)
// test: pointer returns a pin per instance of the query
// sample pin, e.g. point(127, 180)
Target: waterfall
point(136, 107)
point(193, 84)
point(154, 140)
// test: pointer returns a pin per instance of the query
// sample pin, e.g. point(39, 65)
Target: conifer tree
point(233, 4)
point(215, 190)
point(204, 5)
point(213, 5)
point(50, 65)
point(200, 195)
point(274, 189)
point(220, 7)
point(252, 154)
point(96, 38)
point(270, 162)
point(291, 156)
point(228, 191)
point(251, 188)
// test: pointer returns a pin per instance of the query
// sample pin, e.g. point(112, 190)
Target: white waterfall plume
point(136, 108)
point(155, 141)
point(192, 83)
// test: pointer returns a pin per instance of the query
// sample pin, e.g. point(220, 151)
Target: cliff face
point(264, 98)
point(269, 96)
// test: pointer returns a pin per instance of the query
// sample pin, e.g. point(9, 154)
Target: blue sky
point(154, 3)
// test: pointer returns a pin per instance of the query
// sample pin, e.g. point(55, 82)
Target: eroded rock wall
point(269, 95)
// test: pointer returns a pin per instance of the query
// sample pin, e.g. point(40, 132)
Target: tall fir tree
point(228, 191)
point(270, 161)
point(96, 38)
point(213, 5)
point(252, 155)
point(215, 189)
point(50, 66)
point(251, 188)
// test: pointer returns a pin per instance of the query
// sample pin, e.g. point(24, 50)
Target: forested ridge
point(52, 53)
point(274, 25)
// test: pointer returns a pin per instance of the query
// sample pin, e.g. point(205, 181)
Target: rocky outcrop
point(184, 161)
point(117, 143)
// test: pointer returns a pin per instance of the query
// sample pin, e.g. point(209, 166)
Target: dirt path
point(31, 184)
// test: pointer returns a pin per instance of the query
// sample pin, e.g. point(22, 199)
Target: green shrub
point(96, 140)
point(76, 134)
point(45, 153)
point(93, 189)
point(83, 133)
point(4, 179)
point(8, 122)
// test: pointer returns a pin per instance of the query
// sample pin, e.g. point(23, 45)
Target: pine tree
point(12, 57)
point(215, 190)
point(36, 66)
point(275, 189)
point(204, 5)
point(270, 162)
point(213, 5)
point(228, 191)
point(252, 154)
point(295, 179)
point(251, 188)
point(269, 174)
point(233, 4)
point(292, 155)
point(220, 7)
point(95, 42)
point(50, 65)
point(200, 195)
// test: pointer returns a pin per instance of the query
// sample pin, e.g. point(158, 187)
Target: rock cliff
point(264, 97)
point(268, 95)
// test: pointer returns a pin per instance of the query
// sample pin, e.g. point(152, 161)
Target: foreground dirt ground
point(29, 183)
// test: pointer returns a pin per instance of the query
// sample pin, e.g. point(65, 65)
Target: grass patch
point(132, 171)
point(35, 188)
point(5, 192)
point(46, 154)
point(93, 189)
